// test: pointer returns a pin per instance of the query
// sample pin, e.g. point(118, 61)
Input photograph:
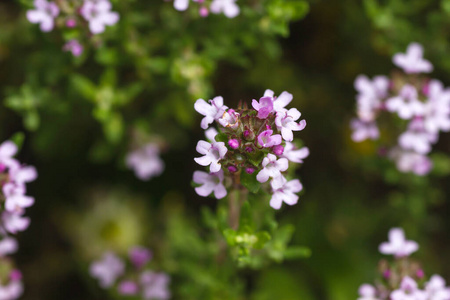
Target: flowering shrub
point(420, 105)
point(404, 278)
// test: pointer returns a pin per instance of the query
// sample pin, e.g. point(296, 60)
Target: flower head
point(98, 14)
point(155, 285)
point(145, 162)
point(413, 61)
point(44, 13)
point(74, 47)
point(108, 269)
point(228, 7)
point(398, 245)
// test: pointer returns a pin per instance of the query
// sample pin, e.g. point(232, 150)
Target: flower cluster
point(93, 14)
point(139, 280)
point(421, 106)
point(250, 143)
point(14, 177)
point(145, 161)
point(228, 7)
point(404, 279)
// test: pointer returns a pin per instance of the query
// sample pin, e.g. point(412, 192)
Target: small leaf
point(250, 182)
point(18, 139)
point(230, 236)
point(263, 238)
point(222, 137)
point(296, 252)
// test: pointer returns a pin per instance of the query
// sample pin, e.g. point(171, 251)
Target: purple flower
point(21, 174)
point(419, 164)
point(280, 102)
point(416, 138)
point(44, 14)
point(295, 155)
point(145, 162)
point(284, 191)
point(140, 256)
point(98, 14)
point(7, 150)
point(367, 292)
point(437, 108)
point(73, 46)
point(213, 153)
point(8, 245)
point(13, 290)
point(211, 133)
point(15, 222)
point(107, 270)
point(272, 168)
point(230, 119)
point(212, 111)
point(128, 287)
point(181, 5)
point(370, 95)
point(267, 140)
point(364, 130)
point(406, 104)
point(155, 285)
point(436, 289)
point(228, 7)
point(408, 291)
point(16, 200)
point(210, 183)
point(413, 61)
point(264, 107)
point(285, 122)
point(398, 245)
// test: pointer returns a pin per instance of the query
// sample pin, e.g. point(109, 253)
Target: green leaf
point(250, 182)
point(246, 217)
point(230, 236)
point(222, 137)
point(256, 158)
point(18, 139)
point(263, 238)
point(296, 252)
point(84, 86)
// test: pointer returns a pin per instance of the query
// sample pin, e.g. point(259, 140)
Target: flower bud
point(249, 135)
point(420, 273)
point(204, 12)
point(278, 150)
point(232, 169)
point(233, 143)
point(71, 23)
point(249, 170)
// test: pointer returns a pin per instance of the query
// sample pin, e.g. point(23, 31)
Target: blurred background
point(80, 115)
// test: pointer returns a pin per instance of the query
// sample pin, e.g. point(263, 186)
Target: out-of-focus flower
point(228, 7)
point(398, 245)
point(155, 285)
point(145, 161)
point(107, 270)
point(436, 289)
point(408, 161)
point(140, 256)
point(8, 245)
point(98, 14)
point(128, 287)
point(364, 130)
point(370, 94)
point(295, 155)
point(413, 61)
point(406, 104)
point(212, 182)
point(367, 292)
point(408, 291)
point(285, 192)
point(74, 47)
point(44, 13)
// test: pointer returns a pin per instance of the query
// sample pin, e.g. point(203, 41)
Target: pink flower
point(364, 130)
point(44, 14)
point(371, 94)
point(155, 285)
point(280, 102)
point(212, 111)
point(228, 7)
point(436, 289)
point(73, 46)
point(213, 153)
point(413, 61)
point(140, 256)
point(210, 183)
point(16, 200)
point(367, 292)
point(230, 119)
point(8, 245)
point(406, 104)
point(145, 162)
point(264, 107)
point(14, 222)
point(181, 4)
point(13, 290)
point(285, 122)
point(398, 245)
point(272, 168)
point(267, 140)
point(107, 270)
point(437, 108)
point(295, 155)
point(128, 287)
point(7, 150)
point(416, 138)
point(98, 14)
point(284, 191)
point(407, 161)
point(408, 291)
